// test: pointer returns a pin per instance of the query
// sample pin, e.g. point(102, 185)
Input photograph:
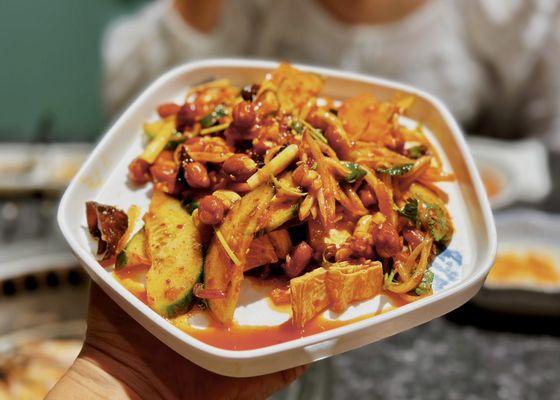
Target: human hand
point(121, 360)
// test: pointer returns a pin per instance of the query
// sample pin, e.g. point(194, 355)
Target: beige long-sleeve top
point(492, 61)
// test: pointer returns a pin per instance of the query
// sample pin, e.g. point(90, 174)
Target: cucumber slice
point(134, 253)
point(281, 214)
point(176, 253)
point(238, 229)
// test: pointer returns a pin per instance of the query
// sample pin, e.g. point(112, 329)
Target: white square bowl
point(460, 271)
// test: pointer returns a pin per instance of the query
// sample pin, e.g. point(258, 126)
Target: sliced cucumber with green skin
point(176, 253)
point(134, 252)
point(238, 230)
point(282, 215)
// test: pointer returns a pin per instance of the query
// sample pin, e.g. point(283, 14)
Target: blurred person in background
point(495, 63)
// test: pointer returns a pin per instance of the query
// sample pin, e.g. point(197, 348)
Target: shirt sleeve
point(518, 42)
point(138, 48)
point(551, 107)
point(540, 110)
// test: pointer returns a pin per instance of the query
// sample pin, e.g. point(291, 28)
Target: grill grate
point(51, 280)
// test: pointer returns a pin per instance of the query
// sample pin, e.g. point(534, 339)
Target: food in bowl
point(526, 267)
point(333, 201)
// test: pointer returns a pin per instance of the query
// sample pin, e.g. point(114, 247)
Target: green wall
point(50, 68)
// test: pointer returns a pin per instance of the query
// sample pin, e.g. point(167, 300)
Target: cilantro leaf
point(297, 126)
point(315, 133)
point(426, 285)
point(175, 140)
point(356, 172)
point(397, 170)
point(190, 207)
point(410, 210)
point(121, 260)
point(417, 151)
point(212, 118)
point(429, 216)
point(436, 222)
point(432, 214)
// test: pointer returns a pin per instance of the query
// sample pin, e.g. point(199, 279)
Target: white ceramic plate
point(519, 169)
point(459, 271)
point(47, 167)
point(33, 256)
point(520, 231)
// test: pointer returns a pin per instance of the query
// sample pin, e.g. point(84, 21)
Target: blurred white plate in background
point(44, 167)
point(512, 171)
point(526, 276)
point(33, 256)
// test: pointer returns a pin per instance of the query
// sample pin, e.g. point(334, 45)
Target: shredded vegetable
point(227, 249)
point(336, 197)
